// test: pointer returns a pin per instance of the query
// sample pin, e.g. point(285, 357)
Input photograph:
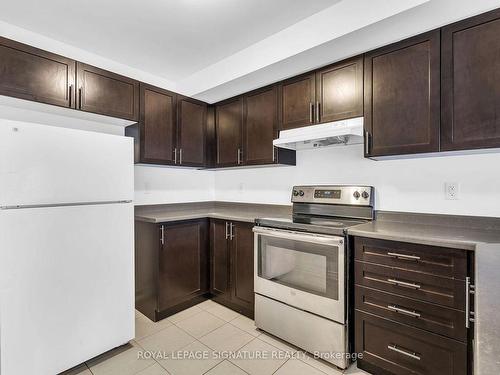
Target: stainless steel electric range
point(301, 269)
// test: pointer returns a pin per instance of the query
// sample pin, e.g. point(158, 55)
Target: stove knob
point(301, 193)
point(356, 194)
point(295, 193)
point(365, 194)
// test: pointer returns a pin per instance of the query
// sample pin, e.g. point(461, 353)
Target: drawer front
point(429, 288)
point(403, 350)
point(438, 261)
point(437, 319)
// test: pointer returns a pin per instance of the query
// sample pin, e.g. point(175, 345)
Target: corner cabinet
point(471, 83)
point(402, 97)
point(191, 131)
point(228, 132)
point(106, 93)
point(171, 266)
point(412, 307)
point(231, 265)
point(33, 74)
point(171, 129)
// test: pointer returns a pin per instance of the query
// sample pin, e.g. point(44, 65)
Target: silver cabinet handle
point(240, 154)
point(231, 226)
point(400, 310)
point(80, 98)
point(403, 284)
point(180, 156)
point(70, 95)
point(405, 352)
point(469, 315)
point(317, 111)
point(311, 112)
point(403, 256)
point(367, 143)
point(175, 155)
point(162, 236)
point(227, 230)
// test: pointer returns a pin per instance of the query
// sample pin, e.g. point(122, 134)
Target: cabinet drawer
point(440, 290)
point(436, 319)
point(439, 261)
point(403, 350)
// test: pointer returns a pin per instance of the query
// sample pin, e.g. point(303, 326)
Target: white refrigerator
point(66, 246)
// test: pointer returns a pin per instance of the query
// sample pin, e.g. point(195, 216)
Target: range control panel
point(339, 194)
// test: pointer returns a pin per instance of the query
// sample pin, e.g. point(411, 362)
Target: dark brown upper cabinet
point(470, 83)
point(297, 101)
point(171, 130)
point(158, 130)
point(339, 91)
point(228, 132)
point(402, 97)
point(106, 93)
point(260, 126)
point(191, 128)
point(32, 74)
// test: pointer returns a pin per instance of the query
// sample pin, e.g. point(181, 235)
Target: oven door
point(303, 270)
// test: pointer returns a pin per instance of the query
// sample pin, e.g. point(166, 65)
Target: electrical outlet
point(451, 190)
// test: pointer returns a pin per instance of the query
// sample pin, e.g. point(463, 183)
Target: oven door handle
point(299, 236)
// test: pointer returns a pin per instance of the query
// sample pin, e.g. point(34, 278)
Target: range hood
point(345, 132)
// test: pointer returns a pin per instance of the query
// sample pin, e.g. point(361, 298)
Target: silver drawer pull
point(404, 256)
point(405, 352)
point(400, 310)
point(403, 284)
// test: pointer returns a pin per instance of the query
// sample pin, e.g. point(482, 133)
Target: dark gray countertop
point(460, 232)
point(247, 212)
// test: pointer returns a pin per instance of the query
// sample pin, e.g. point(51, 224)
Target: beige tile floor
point(207, 329)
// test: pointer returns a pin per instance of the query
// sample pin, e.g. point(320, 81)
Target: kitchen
point(317, 196)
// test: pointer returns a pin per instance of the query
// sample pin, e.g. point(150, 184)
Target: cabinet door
point(191, 125)
point(219, 258)
point(260, 126)
point(297, 101)
point(107, 93)
point(242, 265)
point(33, 74)
point(228, 122)
point(158, 126)
point(471, 83)
point(339, 92)
point(402, 97)
point(183, 263)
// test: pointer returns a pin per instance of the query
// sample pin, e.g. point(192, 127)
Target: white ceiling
point(170, 38)
point(214, 49)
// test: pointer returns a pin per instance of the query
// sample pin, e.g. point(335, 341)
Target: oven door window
point(301, 265)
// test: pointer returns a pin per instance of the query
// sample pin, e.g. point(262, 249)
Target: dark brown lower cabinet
point(393, 348)
point(171, 266)
point(231, 259)
point(410, 308)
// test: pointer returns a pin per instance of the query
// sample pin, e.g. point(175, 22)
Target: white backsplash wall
point(413, 185)
point(158, 185)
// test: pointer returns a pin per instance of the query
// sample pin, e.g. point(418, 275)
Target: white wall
point(413, 185)
point(158, 185)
